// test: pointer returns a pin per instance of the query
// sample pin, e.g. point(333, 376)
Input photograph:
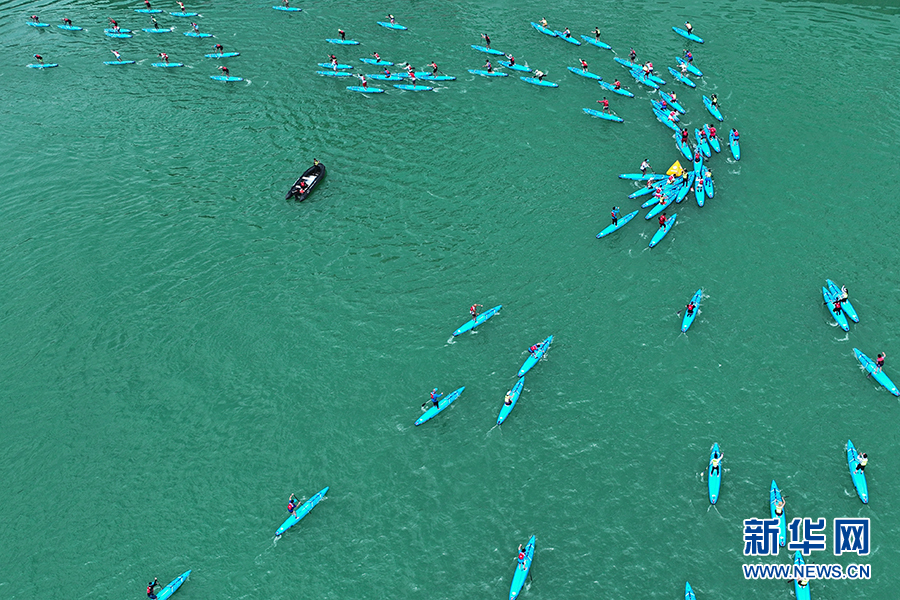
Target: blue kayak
point(484, 73)
point(698, 166)
point(233, 54)
point(382, 77)
point(118, 35)
point(196, 34)
point(627, 63)
point(390, 25)
point(301, 512)
point(690, 67)
point(603, 115)
point(712, 140)
point(713, 110)
point(118, 62)
point(121, 30)
point(413, 88)
point(668, 98)
point(879, 376)
point(173, 586)
point(506, 63)
point(521, 573)
point(715, 478)
point(642, 176)
point(543, 29)
point(622, 222)
point(33, 24)
point(658, 206)
point(487, 50)
point(226, 78)
point(612, 88)
point(567, 38)
point(584, 73)
point(690, 36)
point(187, 14)
point(378, 62)
point(641, 78)
point(685, 149)
point(432, 77)
point(70, 27)
point(801, 591)
point(536, 81)
point(148, 11)
point(334, 73)
point(663, 108)
point(534, 357)
point(688, 592)
point(689, 318)
point(845, 305)
point(596, 42)
point(433, 411)
point(513, 398)
point(342, 42)
point(775, 496)
point(662, 231)
point(339, 67)
point(682, 78)
point(735, 145)
point(473, 323)
point(664, 119)
point(702, 144)
point(158, 29)
point(164, 65)
point(708, 187)
point(287, 8)
point(642, 192)
point(364, 90)
point(43, 66)
point(686, 188)
point(838, 316)
point(699, 192)
point(858, 477)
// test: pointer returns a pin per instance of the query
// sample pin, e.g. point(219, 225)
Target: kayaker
point(195, 27)
point(802, 582)
point(293, 503)
point(521, 556)
point(688, 27)
point(845, 295)
point(391, 19)
point(387, 72)
point(566, 33)
point(181, 5)
point(164, 56)
point(779, 507)
point(684, 69)
point(688, 56)
point(632, 55)
point(712, 131)
point(147, 3)
point(434, 68)
point(435, 397)
point(662, 220)
point(534, 348)
point(511, 59)
point(342, 34)
point(473, 310)
point(543, 22)
point(218, 48)
point(117, 55)
point(716, 458)
point(685, 176)
point(224, 70)
point(684, 136)
point(35, 19)
point(596, 33)
point(708, 175)
point(697, 157)
point(861, 461)
point(605, 104)
point(615, 215)
point(836, 309)
point(155, 22)
point(645, 165)
point(508, 399)
point(151, 588)
point(39, 58)
point(584, 66)
point(735, 134)
point(673, 116)
point(714, 100)
point(113, 23)
point(671, 179)
point(487, 40)
point(702, 136)
point(673, 97)
point(663, 104)
point(539, 74)
point(67, 21)
point(488, 67)
point(879, 362)
point(617, 84)
point(377, 57)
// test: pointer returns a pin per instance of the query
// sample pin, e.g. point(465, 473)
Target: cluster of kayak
point(117, 32)
point(339, 70)
point(535, 354)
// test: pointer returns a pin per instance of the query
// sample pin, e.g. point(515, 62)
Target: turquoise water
point(182, 349)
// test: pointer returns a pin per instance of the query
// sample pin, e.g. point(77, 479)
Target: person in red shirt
point(605, 104)
point(473, 310)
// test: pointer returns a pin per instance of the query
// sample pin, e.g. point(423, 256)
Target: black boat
point(310, 178)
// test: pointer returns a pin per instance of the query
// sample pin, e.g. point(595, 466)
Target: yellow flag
point(675, 169)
